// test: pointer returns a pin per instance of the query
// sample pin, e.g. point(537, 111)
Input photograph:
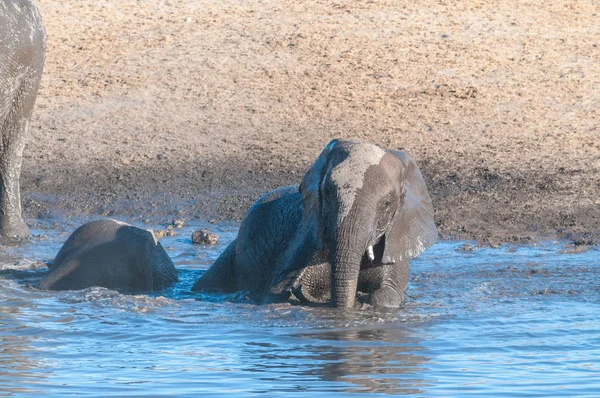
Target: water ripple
point(516, 320)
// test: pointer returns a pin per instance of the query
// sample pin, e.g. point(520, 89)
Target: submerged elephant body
point(359, 215)
point(110, 254)
point(22, 51)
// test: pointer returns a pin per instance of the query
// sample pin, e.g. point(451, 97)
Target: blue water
point(510, 321)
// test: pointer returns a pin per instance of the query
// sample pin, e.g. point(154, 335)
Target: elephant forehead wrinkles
point(348, 176)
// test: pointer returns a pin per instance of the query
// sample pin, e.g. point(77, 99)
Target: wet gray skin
point(110, 254)
point(22, 50)
point(348, 231)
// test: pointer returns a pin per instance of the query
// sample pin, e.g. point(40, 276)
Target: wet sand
point(161, 109)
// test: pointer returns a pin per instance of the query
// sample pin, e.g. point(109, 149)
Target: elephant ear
point(310, 188)
point(413, 229)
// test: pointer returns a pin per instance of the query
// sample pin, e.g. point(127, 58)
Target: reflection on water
point(508, 321)
point(385, 359)
point(17, 357)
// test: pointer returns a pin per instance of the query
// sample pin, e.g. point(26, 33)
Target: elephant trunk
point(347, 248)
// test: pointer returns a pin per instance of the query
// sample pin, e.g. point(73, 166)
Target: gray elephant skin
point(22, 51)
point(346, 232)
point(111, 254)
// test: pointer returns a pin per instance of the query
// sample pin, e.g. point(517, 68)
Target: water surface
point(515, 320)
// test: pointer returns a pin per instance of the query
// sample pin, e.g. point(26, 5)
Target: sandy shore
point(195, 108)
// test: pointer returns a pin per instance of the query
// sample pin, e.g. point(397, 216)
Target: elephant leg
point(310, 284)
point(22, 51)
point(221, 275)
point(12, 142)
point(386, 284)
point(13, 130)
point(314, 285)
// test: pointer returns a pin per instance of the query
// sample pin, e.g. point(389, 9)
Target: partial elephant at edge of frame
point(22, 52)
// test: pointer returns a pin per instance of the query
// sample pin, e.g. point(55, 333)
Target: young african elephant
point(110, 254)
point(359, 215)
point(22, 50)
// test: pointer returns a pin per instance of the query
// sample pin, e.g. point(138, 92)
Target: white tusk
point(370, 253)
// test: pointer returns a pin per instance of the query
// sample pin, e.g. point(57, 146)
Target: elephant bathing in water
point(22, 50)
point(110, 254)
point(359, 215)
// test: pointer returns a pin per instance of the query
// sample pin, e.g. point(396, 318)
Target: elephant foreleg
point(386, 284)
point(12, 136)
point(314, 285)
point(14, 125)
point(310, 284)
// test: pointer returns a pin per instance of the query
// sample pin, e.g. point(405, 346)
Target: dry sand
point(162, 109)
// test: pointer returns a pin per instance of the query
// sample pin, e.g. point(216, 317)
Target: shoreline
point(137, 199)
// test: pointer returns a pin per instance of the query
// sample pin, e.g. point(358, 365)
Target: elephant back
point(110, 254)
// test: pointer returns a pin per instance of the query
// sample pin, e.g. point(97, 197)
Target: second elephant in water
point(359, 215)
point(110, 254)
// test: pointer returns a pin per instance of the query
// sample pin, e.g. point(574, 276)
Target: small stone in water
point(466, 248)
point(204, 237)
point(161, 233)
point(177, 223)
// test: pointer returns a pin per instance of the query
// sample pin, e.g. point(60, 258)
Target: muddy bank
point(161, 108)
point(476, 204)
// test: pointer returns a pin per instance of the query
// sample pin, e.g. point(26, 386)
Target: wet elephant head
point(369, 204)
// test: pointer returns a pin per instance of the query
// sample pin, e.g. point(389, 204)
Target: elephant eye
point(385, 214)
point(386, 205)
